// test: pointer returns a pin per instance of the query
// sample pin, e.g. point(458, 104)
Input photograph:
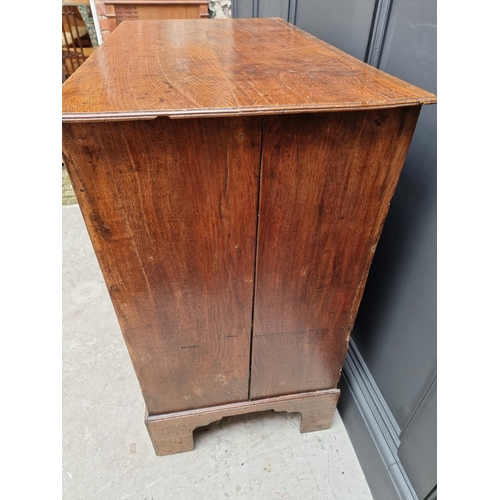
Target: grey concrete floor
point(106, 449)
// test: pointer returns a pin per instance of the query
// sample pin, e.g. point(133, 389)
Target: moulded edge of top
point(420, 97)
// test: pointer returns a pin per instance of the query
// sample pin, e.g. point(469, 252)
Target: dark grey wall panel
point(261, 8)
point(342, 23)
point(242, 8)
point(374, 469)
point(396, 326)
point(418, 447)
point(361, 397)
point(409, 51)
point(273, 8)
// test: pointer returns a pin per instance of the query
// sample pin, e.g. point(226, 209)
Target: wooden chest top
point(196, 68)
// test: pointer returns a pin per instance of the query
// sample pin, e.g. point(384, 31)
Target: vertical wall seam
point(255, 8)
point(292, 11)
point(378, 31)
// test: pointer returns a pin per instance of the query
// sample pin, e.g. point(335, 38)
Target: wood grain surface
point(170, 207)
point(174, 433)
point(327, 181)
point(188, 68)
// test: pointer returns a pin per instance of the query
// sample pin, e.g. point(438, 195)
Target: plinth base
point(173, 433)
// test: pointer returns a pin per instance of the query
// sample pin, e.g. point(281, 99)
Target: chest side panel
point(170, 208)
point(327, 181)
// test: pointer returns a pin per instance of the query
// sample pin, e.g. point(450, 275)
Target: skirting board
point(373, 431)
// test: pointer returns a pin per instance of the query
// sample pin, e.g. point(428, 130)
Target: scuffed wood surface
point(173, 433)
point(170, 207)
point(183, 68)
point(327, 181)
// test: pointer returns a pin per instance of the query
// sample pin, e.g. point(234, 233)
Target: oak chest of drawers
point(234, 177)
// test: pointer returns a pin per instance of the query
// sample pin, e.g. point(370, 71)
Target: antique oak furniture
point(141, 10)
point(234, 177)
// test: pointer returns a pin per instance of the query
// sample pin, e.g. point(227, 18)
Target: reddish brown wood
point(174, 433)
point(327, 181)
point(171, 210)
point(224, 67)
point(203, 11)
point(141, 10)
